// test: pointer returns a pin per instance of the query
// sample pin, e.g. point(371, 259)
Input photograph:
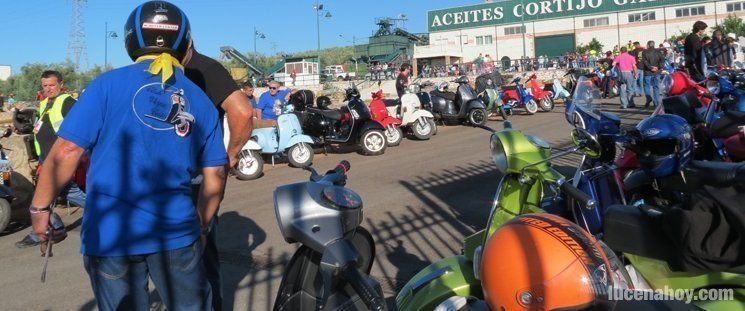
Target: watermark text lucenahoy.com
point(667, 293)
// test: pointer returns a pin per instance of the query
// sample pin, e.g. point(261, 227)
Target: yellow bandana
point(163, 64)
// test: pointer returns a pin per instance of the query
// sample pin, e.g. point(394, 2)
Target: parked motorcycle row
point(307, 123)
point(556, 237)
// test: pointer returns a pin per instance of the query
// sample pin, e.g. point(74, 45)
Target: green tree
point(731, 24)
point(25, 84)
point(593, 45)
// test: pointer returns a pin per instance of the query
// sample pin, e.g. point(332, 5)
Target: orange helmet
point(545, 262)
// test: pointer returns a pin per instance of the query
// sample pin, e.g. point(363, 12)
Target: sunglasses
point(272, 88)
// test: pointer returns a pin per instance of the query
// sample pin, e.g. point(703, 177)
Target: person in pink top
point(626, 65)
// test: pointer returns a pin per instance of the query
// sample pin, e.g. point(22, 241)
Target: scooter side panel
point(451, 276)
point(658, 274)
point(266, 138)
point(289, 127)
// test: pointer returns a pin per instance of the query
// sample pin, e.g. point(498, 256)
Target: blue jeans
point(626, 87)
point(121, 283)
point(76, 197)
point(652, 89)
point(210, 256)
point(639, 91)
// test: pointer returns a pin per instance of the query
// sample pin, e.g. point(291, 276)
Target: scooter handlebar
point(337, 176)
point(367, 292)
point(585, 200)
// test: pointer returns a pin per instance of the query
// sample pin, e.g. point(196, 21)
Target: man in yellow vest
point(52, 111)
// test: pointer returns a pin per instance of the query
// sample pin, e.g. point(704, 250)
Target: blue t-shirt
point(266, 104)
point(145, 140)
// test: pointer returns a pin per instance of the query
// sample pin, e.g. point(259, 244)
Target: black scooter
point(352, 124)
point(8, 212)
point(460, 106)
point(330, 271)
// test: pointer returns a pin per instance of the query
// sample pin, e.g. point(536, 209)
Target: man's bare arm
point(56, 172)
point(210, 194)
point(240, 123)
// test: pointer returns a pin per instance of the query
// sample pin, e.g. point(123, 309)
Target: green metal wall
point(553, 46)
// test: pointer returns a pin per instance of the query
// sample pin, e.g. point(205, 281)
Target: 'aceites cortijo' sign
point(516, 11)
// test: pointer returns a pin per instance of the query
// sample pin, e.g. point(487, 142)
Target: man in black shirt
point(403, 80)
point(224, 93)
point(653, 61)
point(52, 111)
point(693, 53)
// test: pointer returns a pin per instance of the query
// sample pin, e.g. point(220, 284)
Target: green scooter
point(488, 92)
point(524, 162)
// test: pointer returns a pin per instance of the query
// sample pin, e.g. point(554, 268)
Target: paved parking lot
point(420, 199)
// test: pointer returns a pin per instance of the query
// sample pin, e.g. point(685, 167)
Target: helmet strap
point(162, 64)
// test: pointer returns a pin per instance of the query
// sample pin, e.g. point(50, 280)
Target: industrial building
point(511, 29)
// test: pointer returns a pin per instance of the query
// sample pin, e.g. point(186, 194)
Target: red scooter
point(545, 98)
point(393, 132)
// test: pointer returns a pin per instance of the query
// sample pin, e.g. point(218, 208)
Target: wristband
point(35, 210)
point(206, 230)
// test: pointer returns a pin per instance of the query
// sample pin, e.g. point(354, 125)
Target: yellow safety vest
point(55, 115)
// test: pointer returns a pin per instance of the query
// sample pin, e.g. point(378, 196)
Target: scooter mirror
point(586, 142)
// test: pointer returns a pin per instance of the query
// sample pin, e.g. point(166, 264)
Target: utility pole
point(76, 48)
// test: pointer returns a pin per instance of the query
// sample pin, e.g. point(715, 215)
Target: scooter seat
point(391, 102)
point(446, 95)
point(634, 230)
point(716, 174)
point(629, 229)
point(331, 114)
point(727, 125)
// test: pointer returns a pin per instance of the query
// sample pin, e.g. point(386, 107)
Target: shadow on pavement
point(455, 204)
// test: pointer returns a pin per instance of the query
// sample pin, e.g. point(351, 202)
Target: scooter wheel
point(531, 107)
point(477, 116)
point(4, 214)
point(393, 136)
point(505, 113)
point(547, 104)
point(373, 142)
point(423, 131)
point(250, 165)
point(300, 155)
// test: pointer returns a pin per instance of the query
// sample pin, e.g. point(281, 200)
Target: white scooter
point(420, 121)
point(559, 91)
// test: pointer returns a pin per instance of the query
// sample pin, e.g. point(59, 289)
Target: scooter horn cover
point(544, 262)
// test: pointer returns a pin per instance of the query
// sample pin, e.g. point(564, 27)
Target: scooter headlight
point(498, 154)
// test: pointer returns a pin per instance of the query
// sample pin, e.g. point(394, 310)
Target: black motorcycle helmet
point(157, 27)
point(323, 102)
point(302, 99)
point(24, 120)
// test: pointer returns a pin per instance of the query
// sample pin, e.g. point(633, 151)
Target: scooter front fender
point(416, 115)
point(294, 140)
point(251, 145)
point(451, 276)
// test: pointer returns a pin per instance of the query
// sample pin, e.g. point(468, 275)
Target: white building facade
point(516, 28)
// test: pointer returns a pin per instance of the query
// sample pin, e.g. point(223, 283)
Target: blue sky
point(38, 30)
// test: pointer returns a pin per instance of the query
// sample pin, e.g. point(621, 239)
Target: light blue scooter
point(285, 139)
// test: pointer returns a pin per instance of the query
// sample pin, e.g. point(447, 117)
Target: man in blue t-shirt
point(268, 105)
point(148, 129)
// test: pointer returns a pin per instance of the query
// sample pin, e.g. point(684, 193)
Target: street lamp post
point(257, 35)
point(319, 10)
point(109, 34)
